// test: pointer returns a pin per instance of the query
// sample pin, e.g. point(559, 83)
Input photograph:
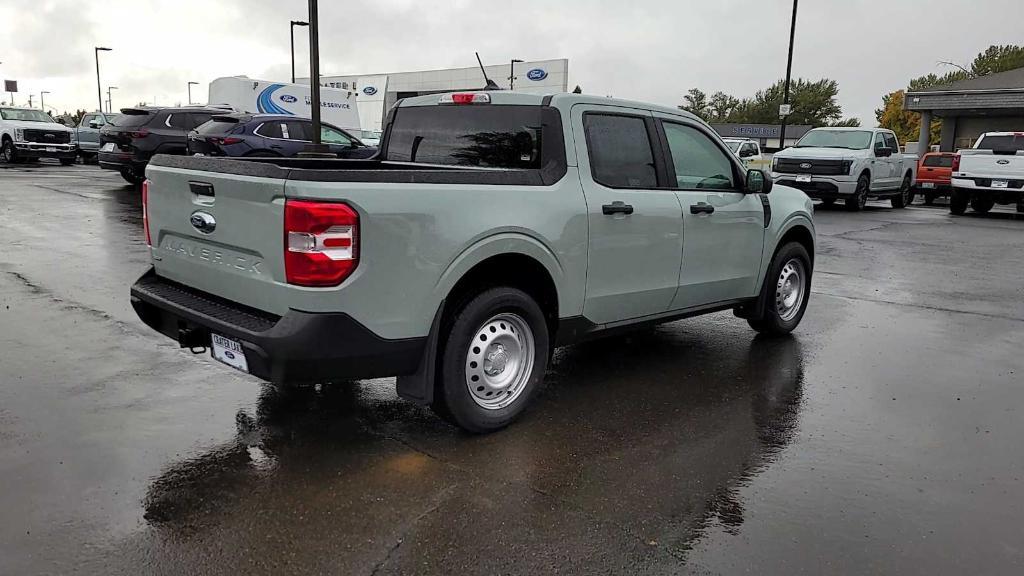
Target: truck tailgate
point(985, 164)
point(219, 233)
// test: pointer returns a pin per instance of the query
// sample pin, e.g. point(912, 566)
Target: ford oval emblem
point(806, 165)
point(369, 90)
point(289, 98)
point(1002, 161)
point(537, 74)
point(203, 222)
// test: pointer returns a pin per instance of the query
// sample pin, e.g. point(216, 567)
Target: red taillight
point(145, 210)
point(320, 242)
point(956, 163)
point(226, 141)
point(140, 133)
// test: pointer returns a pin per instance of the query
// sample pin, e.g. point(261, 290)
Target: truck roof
point(561, 99)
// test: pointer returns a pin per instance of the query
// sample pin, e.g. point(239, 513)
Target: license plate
point(1000, 183)
point(108, 147)
point(803, 177)
point(229, 352)
point(928, 185)
point(51, 149)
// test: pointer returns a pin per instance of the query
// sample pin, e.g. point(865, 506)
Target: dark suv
point(138, 134)
point(270, 135)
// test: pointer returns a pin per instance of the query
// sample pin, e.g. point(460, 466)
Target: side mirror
point(757, 182)
point(883, 152)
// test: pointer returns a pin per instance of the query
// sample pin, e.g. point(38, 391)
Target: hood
point(820, 153)
point(37, 125)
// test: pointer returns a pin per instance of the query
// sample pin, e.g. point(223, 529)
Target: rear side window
point(620, 151)
point(177, 120)
point(270, 130)
point(698, 162)
point(939, 161)
point(1009, 143)
point(215, 126)
point(485, 135)
point(890, 142)
point(295, 130)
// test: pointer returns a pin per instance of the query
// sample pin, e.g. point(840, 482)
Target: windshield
point(851, 139)
point(733, 145)
point(1004, 143)
point(485, 136)
point(25, 115)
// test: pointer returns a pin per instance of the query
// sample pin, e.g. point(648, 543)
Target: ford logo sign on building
point(289, 98)
point(537, 74)
point(369, 90)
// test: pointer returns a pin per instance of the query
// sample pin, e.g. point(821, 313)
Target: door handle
point(617, 207)
point(702, 208)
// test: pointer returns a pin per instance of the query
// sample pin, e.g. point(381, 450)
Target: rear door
point(241, 257)
point(635, 244)
point(723, 228)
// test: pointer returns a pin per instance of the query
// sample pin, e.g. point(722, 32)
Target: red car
point(933, 173)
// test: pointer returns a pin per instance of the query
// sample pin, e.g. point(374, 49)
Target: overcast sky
point(652, 50)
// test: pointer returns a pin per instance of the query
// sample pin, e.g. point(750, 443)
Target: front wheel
point(7, 153)
point(906, 195)
point(786, 289)
point(859, 200)
point(493, 360)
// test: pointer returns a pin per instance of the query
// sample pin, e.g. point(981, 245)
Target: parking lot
point(882, 437)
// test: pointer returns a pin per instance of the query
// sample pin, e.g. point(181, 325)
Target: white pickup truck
point(990, 173)
point(849, 164)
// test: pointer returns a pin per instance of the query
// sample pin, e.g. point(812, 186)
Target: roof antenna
point(490, 83)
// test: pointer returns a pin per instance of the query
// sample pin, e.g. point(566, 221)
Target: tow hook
point(192, 339)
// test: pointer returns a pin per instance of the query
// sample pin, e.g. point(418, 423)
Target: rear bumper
point(1013, 186)
point(118, 160)
point(295, 348)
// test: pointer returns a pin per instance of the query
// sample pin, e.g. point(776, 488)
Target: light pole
point(291, 29)
point(110, 100)
point(42, 100)
point(789, 71)
point(30, 100)
point(99, 90)
point(190, 84)
point(315, 147)
point(512, 74)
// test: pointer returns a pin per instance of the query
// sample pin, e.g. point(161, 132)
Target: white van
point(337, 107)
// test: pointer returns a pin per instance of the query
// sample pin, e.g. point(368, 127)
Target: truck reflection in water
point(651, 436)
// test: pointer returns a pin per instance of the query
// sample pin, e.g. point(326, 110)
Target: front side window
point(879, 141)
point(698, 163)
point(620, 151)
point(329, 135)
point(890, 142)
point(297, 130)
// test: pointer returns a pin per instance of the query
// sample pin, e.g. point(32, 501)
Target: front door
point(723, 228)
point(635, 244)
point(881, 167)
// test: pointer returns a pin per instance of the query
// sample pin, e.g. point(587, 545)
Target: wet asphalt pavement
point(883, 437)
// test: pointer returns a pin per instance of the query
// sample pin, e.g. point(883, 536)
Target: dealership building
point(969, 108)
point(766, 134)
point(376, 93)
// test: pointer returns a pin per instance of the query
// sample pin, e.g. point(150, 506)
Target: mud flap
point(419, 386)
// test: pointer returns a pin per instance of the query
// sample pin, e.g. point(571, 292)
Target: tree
point(998, 59)
point(906, 125)
point(721, 106)
point(846, 123)
point(696, 103)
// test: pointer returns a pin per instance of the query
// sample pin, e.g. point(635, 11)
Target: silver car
point(87, 133)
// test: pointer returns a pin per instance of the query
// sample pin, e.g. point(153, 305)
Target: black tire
point(982, 204)
point(453, 399)
point(1020, 207)
point(859, 199)
point(770, 321)
point(828, 202)
point(67, 161)
point(929, 198)
point(905, 197)
point(131, 176)
point(8, 155)
point(958, 200)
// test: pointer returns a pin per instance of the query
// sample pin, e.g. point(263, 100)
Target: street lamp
point(99, 90)
point(315, 147)
point(190, 84)
point(110, 100)
point(291, 29)
point(42, 100)
point(512, 74)
point(789, 71)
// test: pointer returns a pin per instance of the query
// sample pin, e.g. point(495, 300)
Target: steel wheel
point(790, 289)
point(500, 361)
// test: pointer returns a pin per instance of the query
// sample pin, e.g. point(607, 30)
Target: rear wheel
point(493, 360)
point(958, 200)
point(131, 176)
point(905, 196)
point(982, 204)
point(859, 200)
point(785, 292)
